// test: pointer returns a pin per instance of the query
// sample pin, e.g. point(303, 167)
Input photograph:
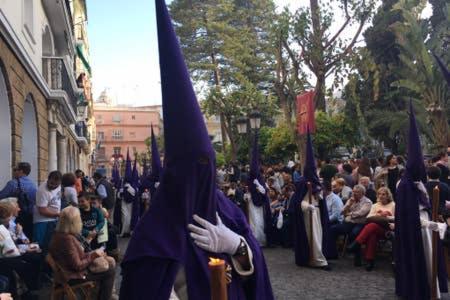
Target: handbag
point(280, 220)
point(102, 264)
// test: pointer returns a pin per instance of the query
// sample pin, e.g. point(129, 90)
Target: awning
point(81, 55)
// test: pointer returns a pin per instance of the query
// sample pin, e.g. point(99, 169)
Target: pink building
point(121, 127)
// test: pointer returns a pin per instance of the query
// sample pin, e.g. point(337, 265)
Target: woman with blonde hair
point(68, 252)
point(381, 214)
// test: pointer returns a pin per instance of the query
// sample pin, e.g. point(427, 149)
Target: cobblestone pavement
point(345, 281)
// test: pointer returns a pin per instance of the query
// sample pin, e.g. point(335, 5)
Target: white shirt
point(70, 193)
point(46, 198)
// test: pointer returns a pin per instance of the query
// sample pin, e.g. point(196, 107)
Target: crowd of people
point(65, 218)
point(359, 195)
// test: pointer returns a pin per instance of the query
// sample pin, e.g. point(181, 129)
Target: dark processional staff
point(189, 220)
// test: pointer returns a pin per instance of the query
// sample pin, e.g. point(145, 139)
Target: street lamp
point(255, 119)
point(241, 123)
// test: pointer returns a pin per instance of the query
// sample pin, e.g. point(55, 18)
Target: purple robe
point(301, 243)
point(411, 279)
point(161, 242)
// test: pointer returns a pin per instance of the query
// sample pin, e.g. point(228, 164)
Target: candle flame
point(215, 261)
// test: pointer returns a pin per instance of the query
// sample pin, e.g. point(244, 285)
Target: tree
point(427, 83)
point(324, 50)
point(225, 44)
point(333, 131)
point(280, 145)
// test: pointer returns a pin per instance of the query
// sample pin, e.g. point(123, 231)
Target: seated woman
point(381, 214)
point(28, 262)
point(68, 252)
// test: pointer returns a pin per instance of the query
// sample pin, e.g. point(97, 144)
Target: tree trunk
point(317, 58)
point(221, 116)
point(228, 129)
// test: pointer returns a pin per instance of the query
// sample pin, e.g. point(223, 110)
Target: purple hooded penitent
point(161, 245)
point(301, 243)
point(155, 176)
point(258, 199)
point(443, 68)
point(116, 180)
point(136, 203)
point(411, 279)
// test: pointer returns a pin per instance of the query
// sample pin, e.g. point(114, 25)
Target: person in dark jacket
point(433, 174)
point(93, 220)
point(105, 191)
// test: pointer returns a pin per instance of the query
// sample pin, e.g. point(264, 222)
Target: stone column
point(62, 155)
point(52, 150)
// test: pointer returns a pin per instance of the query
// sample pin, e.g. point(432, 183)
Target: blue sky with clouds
point(124, 50)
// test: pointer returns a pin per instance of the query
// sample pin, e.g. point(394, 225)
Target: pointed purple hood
point(415, 167)
point(188, 183)
point(128, 176)
point(255, 173)
point(301, 242)
point(443, 68)
point(310, 170)
point(156, 161)
point(161, 244)
point(411, 280)
point(116, 176)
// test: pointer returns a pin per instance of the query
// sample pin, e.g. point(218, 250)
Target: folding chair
point(61, 285)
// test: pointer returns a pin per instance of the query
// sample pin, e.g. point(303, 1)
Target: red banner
point(305, 113)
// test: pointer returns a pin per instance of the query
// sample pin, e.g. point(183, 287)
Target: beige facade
point(39, 94)
point(119, 128)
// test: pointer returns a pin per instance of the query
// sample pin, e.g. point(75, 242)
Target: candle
point(218, 279)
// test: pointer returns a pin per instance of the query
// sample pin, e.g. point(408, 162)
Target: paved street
point(344, 282)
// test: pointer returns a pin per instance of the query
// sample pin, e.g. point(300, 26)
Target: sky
point(124, 50)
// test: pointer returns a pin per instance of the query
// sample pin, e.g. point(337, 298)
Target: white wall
point(30, 138)
point(5, 134)
point(13, 10)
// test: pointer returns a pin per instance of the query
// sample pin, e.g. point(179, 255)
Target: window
point(116, 150)
point(28, 18)
point(117, 134)
point(100, 136)
point(101, 152)
point(116, 118)
point(99, 119)
point(134, 150)
point(132, 134)
point(133, 117)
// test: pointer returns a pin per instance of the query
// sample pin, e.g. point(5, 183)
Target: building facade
point(39, 95)
point(119, 128)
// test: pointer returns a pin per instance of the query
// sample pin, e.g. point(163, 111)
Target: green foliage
point(220, 159)
point(279, 144)
point(227, 50)
point(333, 131)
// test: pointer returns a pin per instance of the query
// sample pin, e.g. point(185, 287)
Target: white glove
point(311, 207)
point(421, 187)
point(156, 184)
point(130, 189)
point(259, 187)
point(214, 238)
point(433, 226)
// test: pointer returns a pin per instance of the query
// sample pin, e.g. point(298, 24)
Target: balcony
point(60, 79)
point(83, 136)
point(62, 25)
